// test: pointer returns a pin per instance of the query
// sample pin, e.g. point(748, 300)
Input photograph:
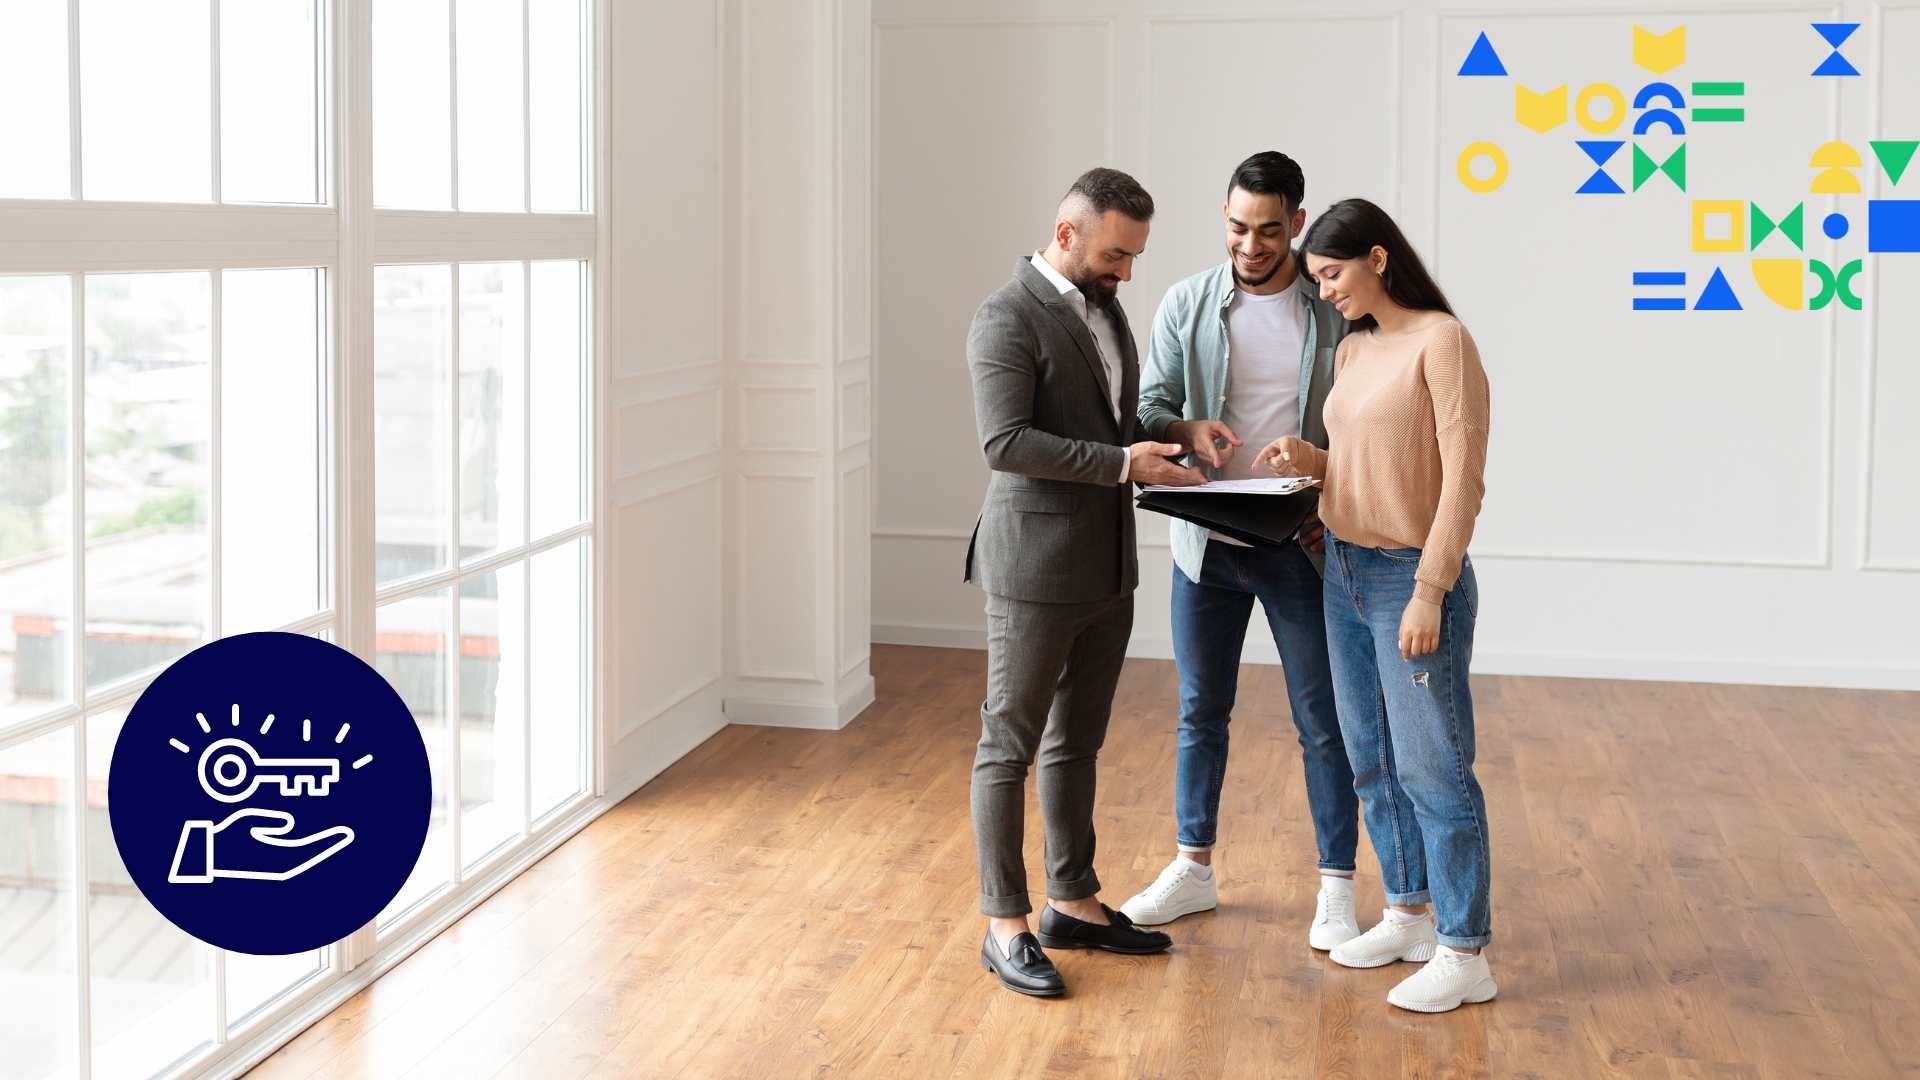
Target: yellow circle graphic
point(1474, 152)
point(1612, 94)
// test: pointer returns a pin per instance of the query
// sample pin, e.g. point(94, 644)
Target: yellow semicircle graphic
point(1783, 281)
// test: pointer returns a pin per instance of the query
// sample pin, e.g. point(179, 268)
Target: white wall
point(1714, 496)
point(738, 396)
point(662, 594)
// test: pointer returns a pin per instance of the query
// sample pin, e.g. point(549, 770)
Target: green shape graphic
point(1792, 226)
point(1894, 156)
point(1719, 116)
point(1719, 89)
point(1675, 167)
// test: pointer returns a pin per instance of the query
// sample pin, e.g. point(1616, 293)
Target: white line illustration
point(195, 861)
point(231, 769)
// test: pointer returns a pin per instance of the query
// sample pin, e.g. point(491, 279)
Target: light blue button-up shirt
point(1188, 371)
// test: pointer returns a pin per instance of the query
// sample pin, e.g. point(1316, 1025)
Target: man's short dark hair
point(1270, 172)
point(1111, 189)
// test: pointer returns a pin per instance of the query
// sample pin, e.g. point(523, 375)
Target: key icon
point(230, 771)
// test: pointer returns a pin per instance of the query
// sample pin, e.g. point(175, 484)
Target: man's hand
point(1313, 535)
point(1205, 436)
point(1147, 464)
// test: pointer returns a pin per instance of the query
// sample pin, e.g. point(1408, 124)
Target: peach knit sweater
point(1407, 427)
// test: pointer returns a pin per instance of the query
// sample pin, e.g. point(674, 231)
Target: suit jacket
point(1057, 523)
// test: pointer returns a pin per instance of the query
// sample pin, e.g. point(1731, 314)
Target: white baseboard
point(796, 714)
point(1560, 665)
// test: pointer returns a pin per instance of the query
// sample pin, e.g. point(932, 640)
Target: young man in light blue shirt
point(1242, 354)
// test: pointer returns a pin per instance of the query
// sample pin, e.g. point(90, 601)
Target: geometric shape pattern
point(1719, 114)
point(1659, 53)
point(1834, 225)
point(1834, 285)
point(1663, 91)
point(1791, 226)
point(1481, 59)
point(1835, 34)
point(1659, 116)
point(1659, 303)
point(1894, 155)
point(1540, 112)
point(1782, 281)
point(1489, 151)
point(1675, 167)
point(1734, 210)
point(1583, 111)
point(1834, 159)
point(1718, 295)
point(1601, 151)
point(1893, 225)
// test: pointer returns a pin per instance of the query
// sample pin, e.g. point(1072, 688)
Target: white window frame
point(346, 238)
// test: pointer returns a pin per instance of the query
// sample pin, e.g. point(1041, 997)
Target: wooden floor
point(1689, 881)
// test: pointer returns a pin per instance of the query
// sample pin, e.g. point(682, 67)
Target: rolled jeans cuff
point(1073, 890)
point(1345, 868)
point(1474, 942)
point(1005, 907)
point(1182, 845)
point(1409, 899)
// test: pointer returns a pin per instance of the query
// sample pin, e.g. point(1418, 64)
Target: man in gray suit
point(1055, 387)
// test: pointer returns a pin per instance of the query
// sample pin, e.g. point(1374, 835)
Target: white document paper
point(1279, 485)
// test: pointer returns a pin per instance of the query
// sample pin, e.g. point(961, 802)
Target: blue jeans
point(1409, 732)
point(1209, 626)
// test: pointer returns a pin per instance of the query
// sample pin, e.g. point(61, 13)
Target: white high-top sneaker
point(1333, 921)
point(1388, 941)
point(1179, 890)
point(1449, 979)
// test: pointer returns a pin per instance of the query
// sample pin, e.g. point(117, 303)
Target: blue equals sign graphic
point(1660, 277)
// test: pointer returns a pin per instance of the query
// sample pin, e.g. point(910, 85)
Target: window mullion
point(73, 105)
point(456, 634)
point(82, 934)
point(213, 84)
point(526, 107)
point(526, 533)
point(215, 510)
point(453, 101)
point(77, 652)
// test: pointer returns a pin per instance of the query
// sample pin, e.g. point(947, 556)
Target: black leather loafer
point(1027, 971)
point(1058, 931)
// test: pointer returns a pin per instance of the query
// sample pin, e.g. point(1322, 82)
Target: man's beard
point(1098, 293)
point(1278, 264)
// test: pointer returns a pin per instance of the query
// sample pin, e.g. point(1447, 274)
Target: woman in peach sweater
point(1407, 434)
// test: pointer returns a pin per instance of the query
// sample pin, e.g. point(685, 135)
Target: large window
point(262, 366)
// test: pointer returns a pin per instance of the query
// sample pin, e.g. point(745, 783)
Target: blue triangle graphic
point(1600, 150)
point(1836, 32)
point(1835, 64)
point(1481, 59)
point(1718, 295)
point(1600, 184)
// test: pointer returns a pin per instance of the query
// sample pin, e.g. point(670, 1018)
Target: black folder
point(1260, 520)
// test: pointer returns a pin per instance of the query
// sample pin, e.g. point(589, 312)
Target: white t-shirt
point(1265, 335)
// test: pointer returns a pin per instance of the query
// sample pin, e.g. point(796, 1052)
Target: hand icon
point(257, 845)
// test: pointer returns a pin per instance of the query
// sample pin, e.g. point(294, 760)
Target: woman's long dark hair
point(1350, 229)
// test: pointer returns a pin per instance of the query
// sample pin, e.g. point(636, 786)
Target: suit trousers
point(1051, 672)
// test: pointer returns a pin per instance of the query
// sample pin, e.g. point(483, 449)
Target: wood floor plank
point(1690, 882)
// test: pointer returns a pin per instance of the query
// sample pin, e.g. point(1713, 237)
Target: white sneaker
point(1388, 941)
point(1448, 980)
point(1333, 922)
point(1178, 891)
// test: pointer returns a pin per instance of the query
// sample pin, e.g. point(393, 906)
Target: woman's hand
point(1419, 628)
point(1287, 455)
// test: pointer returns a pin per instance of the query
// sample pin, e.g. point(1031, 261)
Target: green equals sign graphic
point(1720, 112)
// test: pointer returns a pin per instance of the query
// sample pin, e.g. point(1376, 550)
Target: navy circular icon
point(269, 793)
